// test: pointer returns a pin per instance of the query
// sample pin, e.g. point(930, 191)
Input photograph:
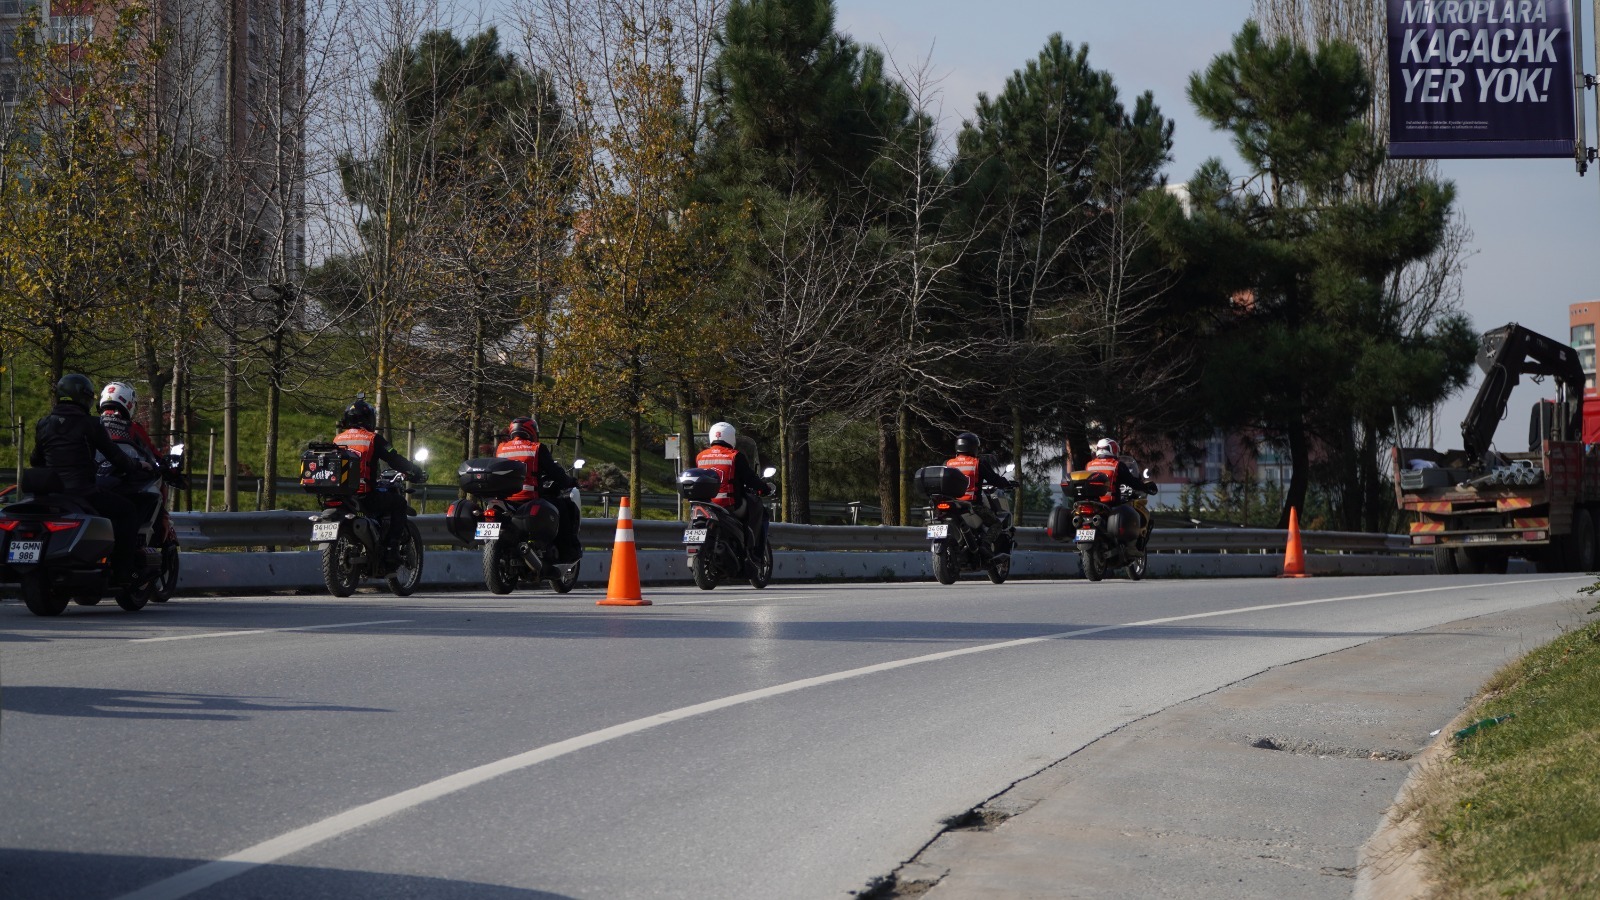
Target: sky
point(1529, 257)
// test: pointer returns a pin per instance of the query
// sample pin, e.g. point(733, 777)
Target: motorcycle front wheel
point(562, 584)
point(40, 599)
point(944, 563)
point(339, 574)
point(999, 570)
point(167, 584)
point(1094, 567)
point(1136, 569)
point(763, 573)
point(700, 567)
point(403, 581)
point(501, 566)
point(134, 598)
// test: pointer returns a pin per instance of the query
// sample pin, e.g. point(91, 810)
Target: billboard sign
point(1481, 78)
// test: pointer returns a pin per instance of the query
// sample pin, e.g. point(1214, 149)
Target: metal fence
point(289, 528)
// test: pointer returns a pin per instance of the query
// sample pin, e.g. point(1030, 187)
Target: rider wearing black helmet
point(65, 442)
point(359, 432)
point(979, 472)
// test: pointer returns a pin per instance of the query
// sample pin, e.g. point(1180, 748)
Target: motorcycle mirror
point(577, 464)
point(1146, 474)
point(768, 472)
point(177, 450)
point(1009, 470)
point(422, 454)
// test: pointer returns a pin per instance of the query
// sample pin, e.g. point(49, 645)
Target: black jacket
point(65, 442)
point(988, 475)
point(382, 449)
point(744, 475)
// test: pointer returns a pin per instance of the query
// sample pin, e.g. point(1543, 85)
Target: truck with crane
point(1478, 507)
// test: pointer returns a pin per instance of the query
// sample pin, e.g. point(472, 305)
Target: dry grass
point(1514, 810)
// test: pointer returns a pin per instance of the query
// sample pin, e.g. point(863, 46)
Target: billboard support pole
point(1580, 84)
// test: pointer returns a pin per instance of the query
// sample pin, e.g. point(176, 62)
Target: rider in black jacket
point(65, 442)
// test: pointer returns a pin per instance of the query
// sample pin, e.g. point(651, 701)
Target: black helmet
point(967, 442)
point(75, 388)
point(523, 427)
point(359, 414)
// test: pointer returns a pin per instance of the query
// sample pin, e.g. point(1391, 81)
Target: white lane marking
point(216, 634)
point(269, 851)
point(739, 599)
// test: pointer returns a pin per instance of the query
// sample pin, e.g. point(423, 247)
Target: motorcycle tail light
point(61, 526)
point(1086, 510)
point(488, 513)
point(944, 506)
point(9, 524)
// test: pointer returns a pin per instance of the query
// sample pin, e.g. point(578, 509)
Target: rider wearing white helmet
point(740, 484)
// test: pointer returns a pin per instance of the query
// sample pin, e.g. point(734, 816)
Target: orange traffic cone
point(623, 589)
point(1294, 557)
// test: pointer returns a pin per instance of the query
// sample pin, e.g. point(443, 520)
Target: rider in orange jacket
point(522, 443)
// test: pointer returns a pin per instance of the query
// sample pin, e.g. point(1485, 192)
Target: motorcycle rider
point(1121, 473)
point(359, 432)
point(741, 488)
point(979, 472)
point(117, 403)
point(522, 443)
point(65, 442)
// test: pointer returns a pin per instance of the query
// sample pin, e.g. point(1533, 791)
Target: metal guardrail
point(292, 528)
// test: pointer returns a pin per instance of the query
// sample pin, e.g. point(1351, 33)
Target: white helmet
point(723, 433)
point(1107, 449)
point(118, 395)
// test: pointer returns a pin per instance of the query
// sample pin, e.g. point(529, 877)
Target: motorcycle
point(1107, 536)
point(716, 541)
point(519, 538)
point(352, 537)
point(960, 541)
point(58, 548)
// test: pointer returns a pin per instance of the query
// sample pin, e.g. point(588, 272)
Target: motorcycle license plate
point(25, 551)
point(323, 532)
point(941, 530)
point(694, 536)
point(1084, 534)
point(487, 531)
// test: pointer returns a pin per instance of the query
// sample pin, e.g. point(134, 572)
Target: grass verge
point(1513, 810)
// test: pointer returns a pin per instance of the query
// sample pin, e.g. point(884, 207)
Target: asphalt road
point(795, 742)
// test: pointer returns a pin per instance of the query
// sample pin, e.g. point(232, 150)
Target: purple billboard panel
point(1480, 78)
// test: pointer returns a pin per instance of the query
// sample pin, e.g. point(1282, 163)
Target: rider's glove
point(416, 475)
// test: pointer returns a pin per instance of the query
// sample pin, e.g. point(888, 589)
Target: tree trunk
point(1075, 447)
point(269, 466)
point(1300, 476)
point(903, 463)
point(800, 473)
point(230, 425)
point(686, 445)
point(888, 497)
point(475, 398)
point(785, 461)
point(1016, 459)
point(635, 446)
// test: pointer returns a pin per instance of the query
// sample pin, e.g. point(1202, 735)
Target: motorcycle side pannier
point(1060, 525)
point(539, 521)
point(941, 481)
point(330, 469)
point(491, 476)
point(461, 520)
point(699, 484)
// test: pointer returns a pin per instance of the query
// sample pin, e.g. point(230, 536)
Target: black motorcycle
point(960, 540)
point(58, 548)
point(519, 538)
point(1107, 535)
point(716, 541)
point(354, 539)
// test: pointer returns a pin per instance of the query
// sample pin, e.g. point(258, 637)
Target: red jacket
point(968, 465)
point(365, 443)
point(1112, 469)
point(721, 460)
point(528, 452)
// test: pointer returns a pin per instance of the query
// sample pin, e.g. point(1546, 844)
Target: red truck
point(1478, 507)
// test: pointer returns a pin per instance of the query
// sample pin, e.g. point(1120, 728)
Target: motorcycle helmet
point(723, 433)
point(75, 388)
point(967, 443)
point(1107, 449)
point(119, 396)
point(359, 414)
point(523, 427)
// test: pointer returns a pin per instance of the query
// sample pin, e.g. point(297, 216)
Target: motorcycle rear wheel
point(40, 599)
point(501, 566)
point(944, 564)
point(700, 567)
point(403, 581)
point(561, 585)
point(763, 573)
point(1094, 567)
point(134, 597)
point(339, 574)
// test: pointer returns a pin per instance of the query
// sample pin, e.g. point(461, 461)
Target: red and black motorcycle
point(354, 536)
point(520, 539)
point(717, 543)
point(1107, 535)
point(960, 539)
